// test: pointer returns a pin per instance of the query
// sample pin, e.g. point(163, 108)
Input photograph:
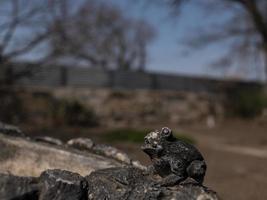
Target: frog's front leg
point(171, 180)
point(150, 170)
point(176, 175)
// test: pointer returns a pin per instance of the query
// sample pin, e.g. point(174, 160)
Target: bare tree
point(47, 31)
point(24, 29)
point(244, 29)
point(15, 15)
point(100, 35)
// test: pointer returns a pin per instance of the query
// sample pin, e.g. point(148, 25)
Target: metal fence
point(87, 77)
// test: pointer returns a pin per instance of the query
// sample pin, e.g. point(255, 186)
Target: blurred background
point(115, 70)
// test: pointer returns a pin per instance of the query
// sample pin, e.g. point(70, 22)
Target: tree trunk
point(265, 64)
point(9, 75)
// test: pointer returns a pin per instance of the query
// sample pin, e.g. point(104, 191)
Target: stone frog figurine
point(174, 160)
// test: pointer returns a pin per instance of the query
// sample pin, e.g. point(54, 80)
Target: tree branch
point(12, 27)
point(33, 43)
point(257, 18)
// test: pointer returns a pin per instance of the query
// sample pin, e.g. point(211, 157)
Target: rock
point(22, 188)
point(10, 130)
point(112, 152)
point(51, 185)
point(120, 183)
point(131, 183)
point(68, 173)
point(86, 144)
point(210, 121)
point(62, 185)
point(49, 140)
point(138, 165)
point(25, 157)
point(81, 143)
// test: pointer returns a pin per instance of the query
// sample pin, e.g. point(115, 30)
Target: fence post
point(154, 82)
point(63, 76)
point(110, 83)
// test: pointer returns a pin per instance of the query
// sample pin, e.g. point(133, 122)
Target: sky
point(167, 53)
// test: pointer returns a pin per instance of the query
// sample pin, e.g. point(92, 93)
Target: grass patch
point(246, 103)
point(185, 138)
point(137, 136)
point(73, 113)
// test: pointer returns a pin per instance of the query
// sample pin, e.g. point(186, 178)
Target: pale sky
point(166, 52)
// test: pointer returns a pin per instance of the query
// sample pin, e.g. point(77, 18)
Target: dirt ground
point(235, 152)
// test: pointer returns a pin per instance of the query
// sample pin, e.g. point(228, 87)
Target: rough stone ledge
point(46, 168)
point(25, 156)
point(113, 183)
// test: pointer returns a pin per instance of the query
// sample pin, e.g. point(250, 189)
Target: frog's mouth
point(148, 149)
point(152, 151)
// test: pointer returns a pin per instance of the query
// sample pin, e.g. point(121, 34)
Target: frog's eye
point(166, 131)
point(146, 141)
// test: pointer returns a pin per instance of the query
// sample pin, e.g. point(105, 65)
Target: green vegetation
point(130, 135)
point(73, 113)
point(136, 136)
point(185, 138)
point(246, 103)
point(119, 94)
point(42, 109)
point(11, 109)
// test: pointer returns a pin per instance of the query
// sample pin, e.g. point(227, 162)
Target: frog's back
point(184, 151)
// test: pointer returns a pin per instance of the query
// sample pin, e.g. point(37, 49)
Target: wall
point(144, 107)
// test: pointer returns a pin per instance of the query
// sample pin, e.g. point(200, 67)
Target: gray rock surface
point(25, 157)
point(119, 183)
point(22, 188)
point(86, 144)
point(31, 169)
point(81, 143)
point(62, 185)
point(122, 183)
point(10, 130)
point(48, 140)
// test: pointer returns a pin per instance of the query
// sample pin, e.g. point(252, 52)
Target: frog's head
point(152, 146)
